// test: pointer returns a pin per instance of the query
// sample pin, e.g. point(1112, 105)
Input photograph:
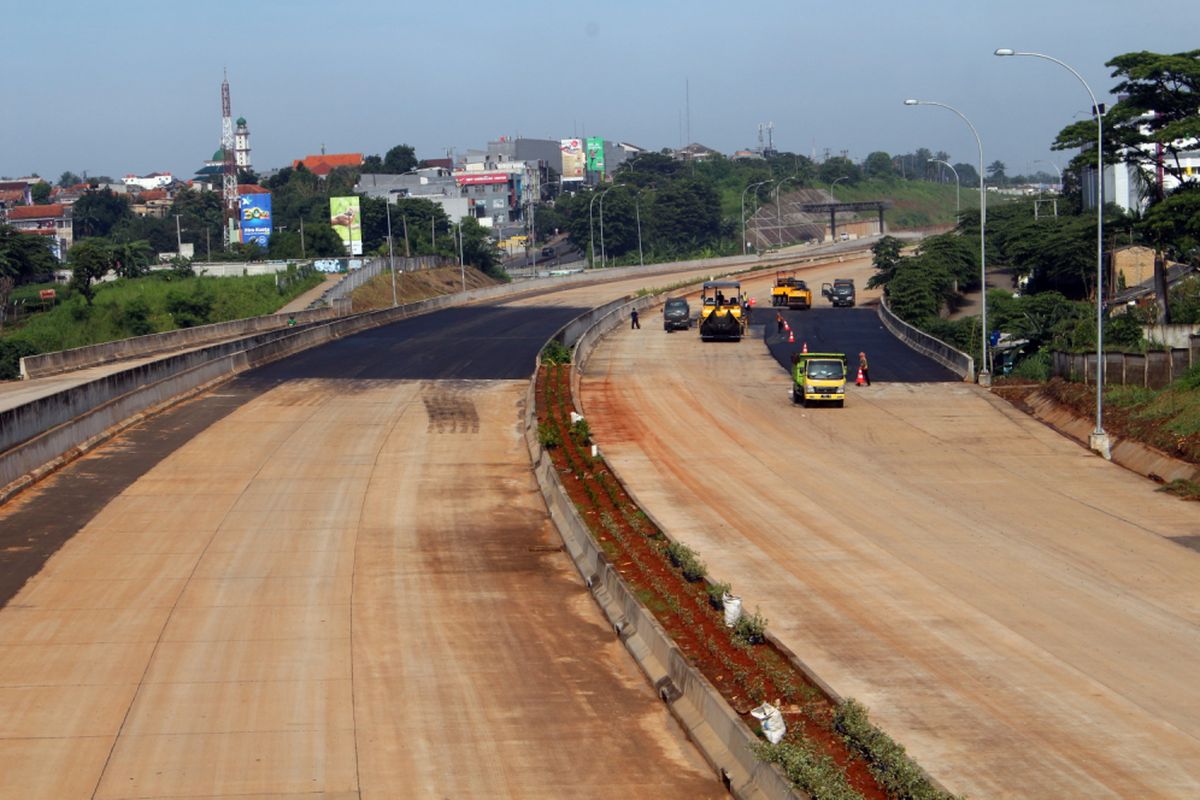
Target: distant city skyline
point(134, 86)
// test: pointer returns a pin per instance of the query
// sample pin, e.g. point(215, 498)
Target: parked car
point(677, 314)
point(840, 292)
point(547, 252)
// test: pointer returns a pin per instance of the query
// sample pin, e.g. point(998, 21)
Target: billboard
point(477, 178)
point(255, 218)
point(572, 159)
point(595, 154)
point(346, 219)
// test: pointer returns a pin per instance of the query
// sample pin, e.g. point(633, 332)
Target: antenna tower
point(229, 189)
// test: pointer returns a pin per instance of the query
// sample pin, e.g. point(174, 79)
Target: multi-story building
point(54, 220)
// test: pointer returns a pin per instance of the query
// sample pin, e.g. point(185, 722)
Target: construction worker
point(778, 322)
point(864, 368)
point(633, 320)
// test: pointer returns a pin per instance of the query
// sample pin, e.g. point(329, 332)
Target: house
point(151, 203)
point(155, 180)
point(696, 152)
point(323, 164)
point(15, 193)
point(54, 220)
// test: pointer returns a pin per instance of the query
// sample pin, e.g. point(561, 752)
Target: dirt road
point(1010, 607)
point(344, 585)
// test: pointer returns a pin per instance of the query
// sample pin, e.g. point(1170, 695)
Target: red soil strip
point(745, 675)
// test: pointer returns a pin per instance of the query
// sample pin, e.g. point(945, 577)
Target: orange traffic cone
point(804, 348)
point(791, 337)
point(859, 381)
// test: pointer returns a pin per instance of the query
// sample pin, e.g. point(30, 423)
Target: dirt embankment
point(417, 285)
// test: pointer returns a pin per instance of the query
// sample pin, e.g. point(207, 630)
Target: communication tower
point(229, 189)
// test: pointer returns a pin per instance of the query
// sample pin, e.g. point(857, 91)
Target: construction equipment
point(840, 292)
point(819, 378)
point(721, 313)
point(790, 291)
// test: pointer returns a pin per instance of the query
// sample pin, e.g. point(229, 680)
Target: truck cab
point(840, 292)
point(819, 378)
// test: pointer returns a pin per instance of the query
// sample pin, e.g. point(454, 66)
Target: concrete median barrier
point(953, 360)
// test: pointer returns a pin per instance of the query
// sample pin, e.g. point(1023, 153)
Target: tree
point(69, 179)
point(98, 211)
point(1174, 223)
point(995, 171)
point(886, 254)
point(40, 193)
point(839, 167)
point(478, 248)
point(24, 257)
point(131, 259)
point(967, 174)
point(400, 159)
point(1159, 105)
point(879, 165)
point(686, 214)
point(372, 165)
point(322, 241)
point(90, 260)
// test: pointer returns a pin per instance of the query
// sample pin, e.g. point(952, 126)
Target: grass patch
point(158, 302)
point(1181, 487)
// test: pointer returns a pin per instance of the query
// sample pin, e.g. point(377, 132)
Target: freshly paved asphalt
point(851, 331)
point(474, 343)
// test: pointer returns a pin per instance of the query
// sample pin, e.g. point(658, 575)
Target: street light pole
point(391, 252)
point(985, 374)
point(592, 229)
point(637, 208)
point(303, 256)
point(1098, 440)
point(748, 188)
point(603, 255)
point(957, 188)
point(1056, 169)
point(835, 183)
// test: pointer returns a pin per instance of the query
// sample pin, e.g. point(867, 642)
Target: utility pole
point(407, 252)
point(391, 253)
point(433, 233)
point(462, 267)
point(178, 238)
point(208, 243)
point(302, 254)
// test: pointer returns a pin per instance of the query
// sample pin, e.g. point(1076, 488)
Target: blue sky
point(133, 86)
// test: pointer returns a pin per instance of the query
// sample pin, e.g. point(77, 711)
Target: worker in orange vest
point(864, 368)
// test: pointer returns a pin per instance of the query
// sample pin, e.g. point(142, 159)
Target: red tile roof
point(325, 163)
point(152, 194)
point(36, 212)
point(252, 188)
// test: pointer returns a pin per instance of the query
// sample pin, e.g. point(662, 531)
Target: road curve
point(333, 577)
point(1012, 609)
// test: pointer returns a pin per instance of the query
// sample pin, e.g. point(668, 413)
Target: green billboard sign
point(595, 154)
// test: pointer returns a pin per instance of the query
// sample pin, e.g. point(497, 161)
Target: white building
point(155, 180)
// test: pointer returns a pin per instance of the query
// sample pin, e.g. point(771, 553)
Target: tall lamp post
point(957, 187)
point(603, 255)
point(391, 251)
point(1098, 440)
point(592, 229)
point(985, 374)
point(1056, 169)
point(637, 208)
point(779, 207)
point(533, 220)
point(748, 188)
point(833, 197)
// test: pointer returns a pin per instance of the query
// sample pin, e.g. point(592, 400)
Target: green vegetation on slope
point(138, 306)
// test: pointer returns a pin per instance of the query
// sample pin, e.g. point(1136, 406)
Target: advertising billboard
point(255, 218)
point(480, 178)
point(595, 154)
point(572, 159)
point(346, 219)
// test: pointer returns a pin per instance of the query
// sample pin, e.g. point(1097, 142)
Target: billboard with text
point(595, 154)
point(572, 159)
point(346, 219)
point(255, 218)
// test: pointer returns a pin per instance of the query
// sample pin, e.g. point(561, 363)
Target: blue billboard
point(256, 219)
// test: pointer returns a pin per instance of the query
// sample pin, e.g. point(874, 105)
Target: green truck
point(819, 378)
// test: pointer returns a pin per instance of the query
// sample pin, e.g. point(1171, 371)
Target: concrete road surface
point(1023, 616)
point(333, 577)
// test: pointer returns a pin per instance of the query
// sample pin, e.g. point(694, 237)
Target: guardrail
point(43, 364)
point(954, 360)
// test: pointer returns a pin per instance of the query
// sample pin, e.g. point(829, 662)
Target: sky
point(128, 86)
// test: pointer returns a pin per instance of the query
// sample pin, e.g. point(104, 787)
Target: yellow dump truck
point(790, 291)
point(819, 378)
point(721, 312)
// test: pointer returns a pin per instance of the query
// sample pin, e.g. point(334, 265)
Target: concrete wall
point(1177, 335)
point(377, 266)
point(139, 346)
point(953, 360)
point(1154, 369)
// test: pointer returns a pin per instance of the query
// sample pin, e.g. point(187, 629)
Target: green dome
point(219, 155)
point(241, 121)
